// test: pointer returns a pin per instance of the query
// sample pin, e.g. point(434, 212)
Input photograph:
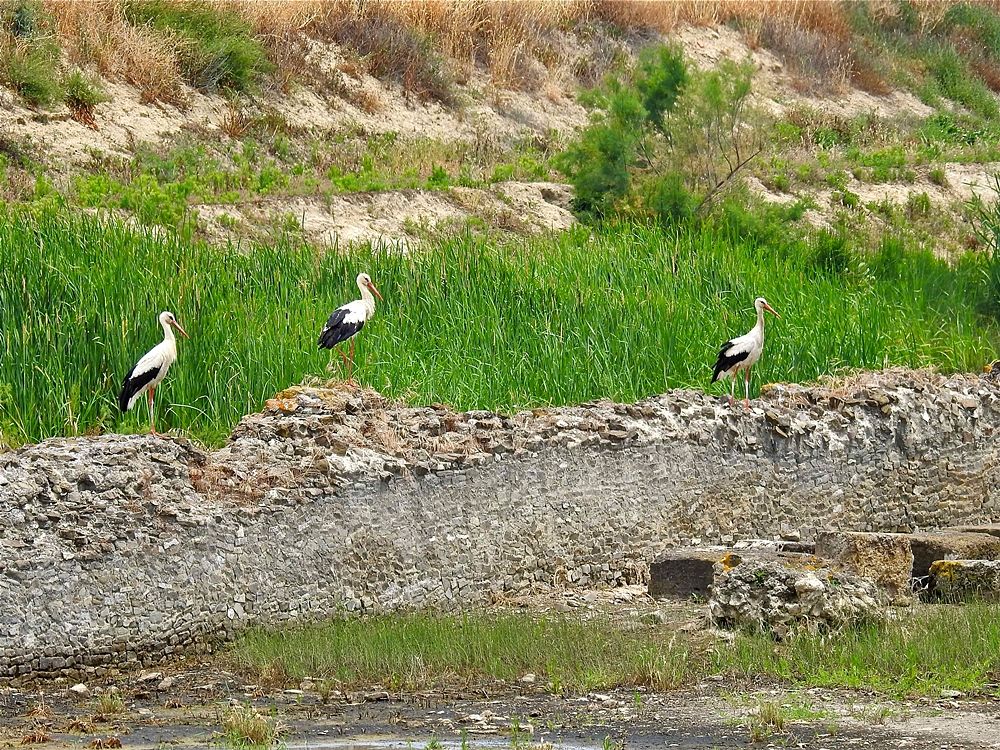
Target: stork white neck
point(168, 332)
point(367, 298)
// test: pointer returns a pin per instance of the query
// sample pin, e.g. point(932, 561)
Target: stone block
point(684, 572)
point(993, 529)
point(951, 545)
point(965, 580)
point(885, 559)
point(775, 545)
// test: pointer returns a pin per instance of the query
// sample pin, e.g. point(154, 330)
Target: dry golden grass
point(514, 41)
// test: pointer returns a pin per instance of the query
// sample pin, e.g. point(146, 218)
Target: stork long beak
point(374, 290)
point(177, 325)
point(771, 310)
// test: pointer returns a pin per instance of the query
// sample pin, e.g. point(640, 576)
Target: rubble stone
point(778, 597)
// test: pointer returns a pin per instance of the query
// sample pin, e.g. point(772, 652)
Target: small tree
point(601, 162)
point(665, 142)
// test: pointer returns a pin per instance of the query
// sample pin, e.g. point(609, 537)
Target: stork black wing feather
point(133, 384)
point(726, 360)
point(338, 328)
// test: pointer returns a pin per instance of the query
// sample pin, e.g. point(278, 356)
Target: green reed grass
point(621, 313)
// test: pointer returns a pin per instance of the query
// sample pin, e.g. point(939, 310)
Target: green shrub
point(598, 162)
point(664, 143)
point(217, 49)
point(660, 77)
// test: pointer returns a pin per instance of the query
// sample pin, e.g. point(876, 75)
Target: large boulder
point(965, 580)
point(886, 559)
point(777, 597)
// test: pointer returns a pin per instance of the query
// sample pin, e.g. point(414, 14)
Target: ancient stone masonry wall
point(121, 549)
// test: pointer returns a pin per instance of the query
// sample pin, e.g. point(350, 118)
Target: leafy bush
point(216, 48)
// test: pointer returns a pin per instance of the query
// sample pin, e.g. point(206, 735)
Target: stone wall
point(121, 549)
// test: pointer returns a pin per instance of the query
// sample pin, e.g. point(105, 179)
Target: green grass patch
point(928, 650)
point(216, 48)
point(940, 648)
point(421, 650)
point(474, 321)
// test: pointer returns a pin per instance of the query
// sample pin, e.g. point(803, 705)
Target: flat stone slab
point(690, 572)
point(775, 545)
point(885, 559)
point(684, 572)
point(951, 545)
point(965, 580)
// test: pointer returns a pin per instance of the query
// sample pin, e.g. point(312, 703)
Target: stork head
point(365, 282)
point(761, 304)
point(168, 319)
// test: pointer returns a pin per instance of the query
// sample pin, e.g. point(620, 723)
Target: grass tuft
point(245, 727)
point(83, 93)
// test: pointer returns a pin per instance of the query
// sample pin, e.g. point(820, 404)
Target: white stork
point(150, 371)
point(348, 319)
point(742, 353)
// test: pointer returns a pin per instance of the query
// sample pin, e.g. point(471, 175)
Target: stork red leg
point(350, 365)
point(732, 389)
point(152, 414)
point(746, 388)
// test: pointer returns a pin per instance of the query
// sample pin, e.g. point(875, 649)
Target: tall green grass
point(947, 647)
point(621, 313)
point(420, 650)
point(926, 650)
